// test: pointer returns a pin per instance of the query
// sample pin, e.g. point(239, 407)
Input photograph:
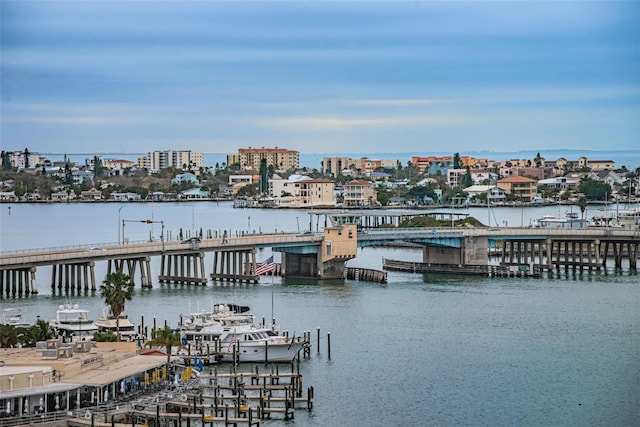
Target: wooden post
point(329, 344)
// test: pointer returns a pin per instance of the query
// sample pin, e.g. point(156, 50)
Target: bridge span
point(318, 255)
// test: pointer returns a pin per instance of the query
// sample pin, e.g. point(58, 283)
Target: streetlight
point(249, 223)
point(119, 209)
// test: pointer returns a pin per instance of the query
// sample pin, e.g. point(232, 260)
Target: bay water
point(420, 350)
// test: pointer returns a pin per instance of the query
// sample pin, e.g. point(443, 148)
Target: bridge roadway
point(438, 237)
point(79, 254)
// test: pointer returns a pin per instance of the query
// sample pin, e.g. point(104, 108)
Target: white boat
point(247, 343)
point(570, 220)
point(13, 317)
point(227, 314)
point(73, 323)
point(106, 322)
point(620, 218)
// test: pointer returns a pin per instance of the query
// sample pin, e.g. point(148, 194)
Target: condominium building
point(20, 159)
point(157, 160)
point(280, 158)
point(519, 186)
point(335, 165)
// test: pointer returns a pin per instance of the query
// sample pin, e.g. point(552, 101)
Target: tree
point(8, 336)
point(467, 180)
point(264, 178)
point(582, 204)
point(456, 161)
point(116, 289)
point(538, 160)
point(26, 158)
point(166, 338)
point(594, 190)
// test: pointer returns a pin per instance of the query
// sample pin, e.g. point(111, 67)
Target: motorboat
point(106, 322)
point(571, 220)
point(245, 343)
point(73, 323)
point(13, 317)
point(226, 314)
point(620, 218)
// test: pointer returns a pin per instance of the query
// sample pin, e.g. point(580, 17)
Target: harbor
point(440, 338)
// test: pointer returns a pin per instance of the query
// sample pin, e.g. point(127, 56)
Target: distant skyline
point(319, 77)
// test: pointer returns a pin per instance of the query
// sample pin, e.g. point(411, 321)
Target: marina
point(518, 340)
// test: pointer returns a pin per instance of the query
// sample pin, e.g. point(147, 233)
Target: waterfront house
point(63, 196)
point(126, 197)
point(91, 194)
point(8, 196)
point(299, 191)
point(359, 193)
point(493, 193)
point(185, 177)
point(194, 194)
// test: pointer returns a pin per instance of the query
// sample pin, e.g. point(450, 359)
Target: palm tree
point(41, 331)
point(167, 338)
point(582, 204)
point(116, 289)
point(8, 336)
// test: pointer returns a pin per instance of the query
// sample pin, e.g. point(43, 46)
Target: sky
point(319, 77)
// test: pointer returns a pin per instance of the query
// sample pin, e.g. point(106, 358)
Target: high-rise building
point(279, 158)
point(157, 160)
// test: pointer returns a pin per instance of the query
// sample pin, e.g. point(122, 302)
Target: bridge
point(317, 255)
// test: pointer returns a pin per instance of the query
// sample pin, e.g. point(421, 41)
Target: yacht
point(73, 323)
point(570, 220)
point(13, 317)
point(106, 322)
point(245, 342)
point(228, 314)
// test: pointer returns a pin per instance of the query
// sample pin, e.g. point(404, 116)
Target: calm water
point(421, 350)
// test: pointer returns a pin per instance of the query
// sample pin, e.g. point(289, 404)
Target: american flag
point(265, 266)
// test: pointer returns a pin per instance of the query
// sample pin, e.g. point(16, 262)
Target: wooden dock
point(523, 270)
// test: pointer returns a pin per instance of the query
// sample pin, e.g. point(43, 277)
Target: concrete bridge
point(320, 255)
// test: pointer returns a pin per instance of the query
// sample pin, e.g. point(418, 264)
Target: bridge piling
point(184, 269)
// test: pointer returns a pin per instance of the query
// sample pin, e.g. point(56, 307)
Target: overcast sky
point(319, 77)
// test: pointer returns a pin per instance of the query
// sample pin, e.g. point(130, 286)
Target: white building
point(157, 160)
point(301, 191)
point(19, 160)
point(494, 193)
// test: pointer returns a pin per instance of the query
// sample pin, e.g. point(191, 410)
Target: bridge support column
point(131, 264)
point(73, 277)
point(186, 269)
point(21, 281)
point(237, 265)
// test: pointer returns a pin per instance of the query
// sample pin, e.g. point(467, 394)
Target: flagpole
point(273, 320)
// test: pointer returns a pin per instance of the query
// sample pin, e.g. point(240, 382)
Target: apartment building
point(335, 165)
point(157, 160)
point(279, 158)
point(20, 159)
point(519, 186)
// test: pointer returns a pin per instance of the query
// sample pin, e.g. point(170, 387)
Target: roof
point(117, 371)
point(480, 188)
point(516, 179)
point(358, 182)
